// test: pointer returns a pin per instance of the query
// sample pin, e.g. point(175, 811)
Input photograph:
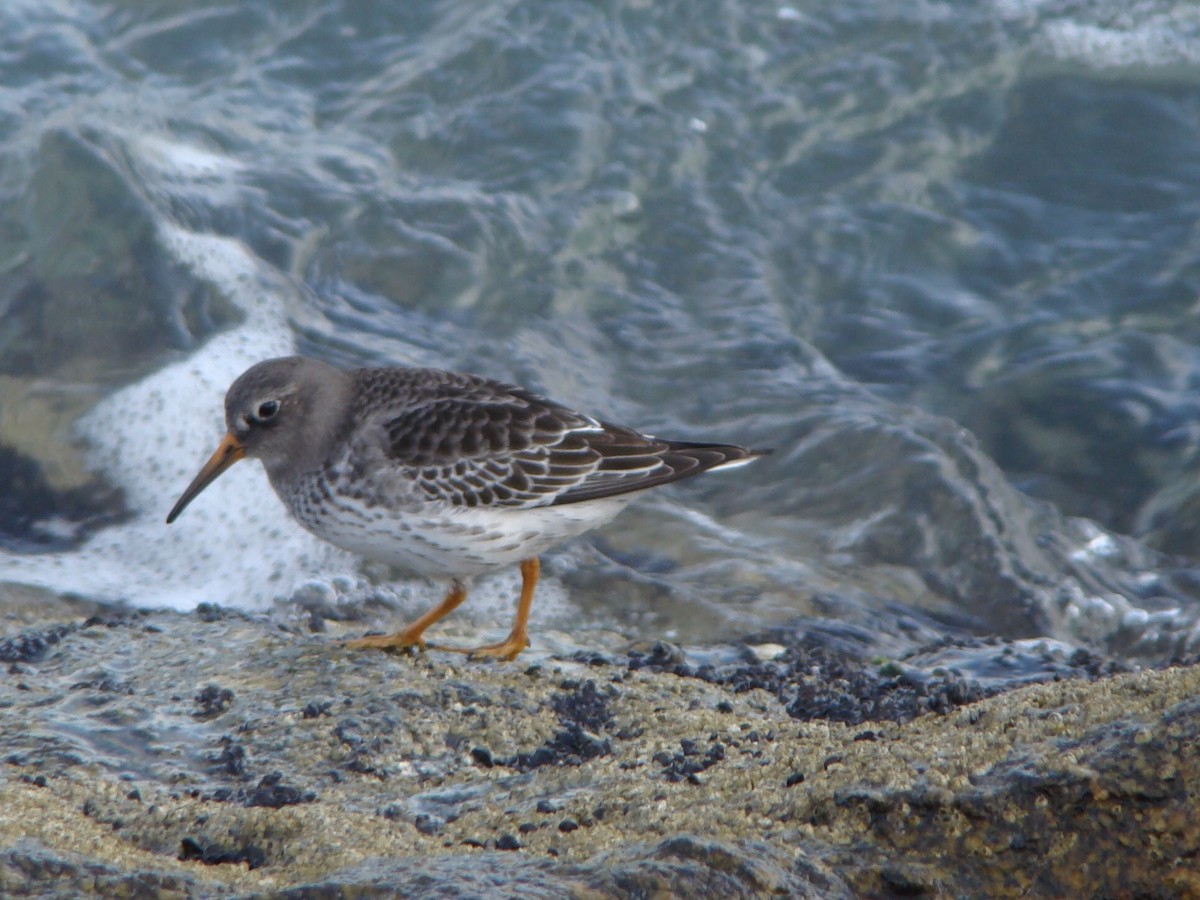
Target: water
point(940, 256)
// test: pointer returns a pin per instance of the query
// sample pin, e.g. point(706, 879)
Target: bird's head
point(282, 411)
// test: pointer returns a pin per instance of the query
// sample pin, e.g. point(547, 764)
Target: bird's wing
point(471, 441)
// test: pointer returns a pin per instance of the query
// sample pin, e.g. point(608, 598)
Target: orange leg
point(411, 636)
point(518, 638)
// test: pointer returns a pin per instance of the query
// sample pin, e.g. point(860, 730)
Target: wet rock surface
point(218, 754)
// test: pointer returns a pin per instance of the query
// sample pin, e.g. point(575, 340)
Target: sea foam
point(236, 545)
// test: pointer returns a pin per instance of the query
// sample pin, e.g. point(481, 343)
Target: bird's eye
point(267, 409)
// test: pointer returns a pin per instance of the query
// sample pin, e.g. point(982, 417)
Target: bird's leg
point(518, 638)
point(411, 636)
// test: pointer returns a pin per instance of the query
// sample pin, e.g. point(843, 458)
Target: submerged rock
point(173, 754)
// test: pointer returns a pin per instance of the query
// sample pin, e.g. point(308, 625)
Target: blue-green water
point(942, 257)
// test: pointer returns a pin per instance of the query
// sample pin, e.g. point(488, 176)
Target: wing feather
point(470, 441)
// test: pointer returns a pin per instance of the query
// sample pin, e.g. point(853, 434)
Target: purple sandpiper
point(445, 474)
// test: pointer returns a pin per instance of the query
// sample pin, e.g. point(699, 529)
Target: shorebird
point(445, 474)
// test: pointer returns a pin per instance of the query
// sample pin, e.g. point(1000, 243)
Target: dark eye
point(267, 409)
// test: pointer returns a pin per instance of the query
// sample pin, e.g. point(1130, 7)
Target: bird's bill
point(230, 451)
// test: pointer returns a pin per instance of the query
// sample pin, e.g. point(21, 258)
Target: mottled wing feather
point(471, 441)
point(634, 462)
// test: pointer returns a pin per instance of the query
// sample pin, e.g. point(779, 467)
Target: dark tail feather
point(677, 460)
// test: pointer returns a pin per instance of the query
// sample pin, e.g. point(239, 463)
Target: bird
point(446, 474)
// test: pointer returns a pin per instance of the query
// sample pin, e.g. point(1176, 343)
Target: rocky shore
point(159, 754)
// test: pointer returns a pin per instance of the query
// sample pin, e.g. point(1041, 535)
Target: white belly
point(451, 542)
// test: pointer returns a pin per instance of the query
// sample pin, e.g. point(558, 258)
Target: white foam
point(236, 544)
point(1146, 37)
point(1154, 42)
point(184, 166)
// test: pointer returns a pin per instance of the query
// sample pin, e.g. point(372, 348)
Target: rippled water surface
point(942, 257)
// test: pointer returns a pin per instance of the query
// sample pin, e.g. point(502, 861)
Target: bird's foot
point(508, 649)
point(399, 641)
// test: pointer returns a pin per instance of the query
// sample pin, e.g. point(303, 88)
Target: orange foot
point(508, 649)
point(411, 636)
point(399, 641)
point(518, 639)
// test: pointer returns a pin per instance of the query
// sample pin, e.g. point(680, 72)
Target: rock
point(331, 771)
